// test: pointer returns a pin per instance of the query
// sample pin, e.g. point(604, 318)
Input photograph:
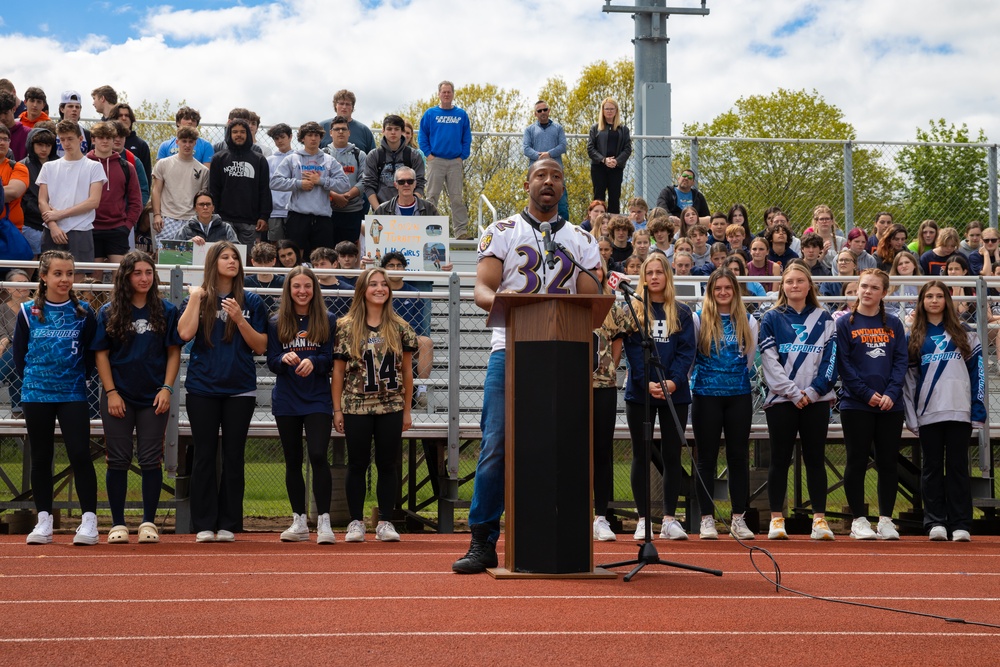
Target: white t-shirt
point(182, 180)
point(518, 245)
point(69, 184)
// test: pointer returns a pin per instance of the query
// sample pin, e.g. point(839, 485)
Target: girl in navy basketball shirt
point(228, 326)
point(943, 399)
point(673, 332)
point(798, 356)
point(727, 344)
point(372, 389)
point(138, 357)
point(52, 353)
point(300, 353)
point(871, 358)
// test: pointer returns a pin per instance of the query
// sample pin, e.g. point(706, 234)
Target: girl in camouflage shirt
point(372, 390)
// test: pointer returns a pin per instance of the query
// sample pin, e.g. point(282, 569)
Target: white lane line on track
point(493, 633)
point(488, 598)
point(382, 573)
point(327, 552)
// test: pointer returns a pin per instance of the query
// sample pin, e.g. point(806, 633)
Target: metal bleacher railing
point(448, 427)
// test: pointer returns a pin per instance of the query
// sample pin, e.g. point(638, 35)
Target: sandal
point(148, 533)
point(118, 535)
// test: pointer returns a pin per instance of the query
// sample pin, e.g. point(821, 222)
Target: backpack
point(381, 152)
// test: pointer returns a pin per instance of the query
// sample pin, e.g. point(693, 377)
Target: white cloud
point(886, 64)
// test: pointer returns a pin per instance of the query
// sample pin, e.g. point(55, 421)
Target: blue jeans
point(488, 489)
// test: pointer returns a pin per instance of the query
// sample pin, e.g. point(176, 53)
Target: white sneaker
point(299, 530)
point(640, 530)
point(355, 532)
point(42, 533)
point(938, 534)
point(821, 530)
point(887, 529)
point(776, 531)
point(602, 530)
point(672, 530)
point(739, 528)
point(86, 534)
point(324, 534)
point(708, 530)
point(861, 529)
point(386, 532)
point(225, 536)
point(960, 536)
point(205, 536)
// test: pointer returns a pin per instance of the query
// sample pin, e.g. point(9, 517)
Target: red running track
point(258, 601)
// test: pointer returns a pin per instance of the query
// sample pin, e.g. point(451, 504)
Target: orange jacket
point(10, 170)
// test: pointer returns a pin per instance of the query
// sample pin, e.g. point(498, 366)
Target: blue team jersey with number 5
point(54, 355)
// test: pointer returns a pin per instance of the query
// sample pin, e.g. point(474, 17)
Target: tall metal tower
point(652, 92)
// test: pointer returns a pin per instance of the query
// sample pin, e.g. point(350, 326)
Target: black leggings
point(74, 420)
point(217, 504)
point(317, 427)
point(862, 430)
point(387, 430)
point(784, 422)
point(710, 416)
point(667, 449)
point(605, 405)
point(944, 479)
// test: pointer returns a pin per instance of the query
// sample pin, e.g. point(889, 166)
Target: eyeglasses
point(542, 110)
point(339, 129)
point(824, 219)
point(690, 177)
point(204, 203)
point(844, 260)
point(405, 181)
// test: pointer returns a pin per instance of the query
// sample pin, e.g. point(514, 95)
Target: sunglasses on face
point(406, 181)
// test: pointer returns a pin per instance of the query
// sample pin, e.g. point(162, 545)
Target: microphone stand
point(651, 361)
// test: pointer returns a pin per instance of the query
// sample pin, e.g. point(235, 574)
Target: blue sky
point(891, 65)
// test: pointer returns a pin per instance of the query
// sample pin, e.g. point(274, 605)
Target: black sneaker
point(482, 553)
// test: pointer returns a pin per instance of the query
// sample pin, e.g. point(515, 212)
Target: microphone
point(620, 281)
point(549, 244)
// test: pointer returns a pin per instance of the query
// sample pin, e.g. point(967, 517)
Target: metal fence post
point(449, 490)
point(848, 187)
point(171, 443)
point(991, 158)
point(694, 157)
point(985, 448)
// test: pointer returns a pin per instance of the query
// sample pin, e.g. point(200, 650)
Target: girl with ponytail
point(872, 361)
point(52, 353)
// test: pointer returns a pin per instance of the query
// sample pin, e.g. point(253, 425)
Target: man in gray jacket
point(381, 164)
point(546, 139)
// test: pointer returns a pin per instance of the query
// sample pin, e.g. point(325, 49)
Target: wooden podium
point(549, 433)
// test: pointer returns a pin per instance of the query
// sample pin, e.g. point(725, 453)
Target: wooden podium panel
point(549, 446)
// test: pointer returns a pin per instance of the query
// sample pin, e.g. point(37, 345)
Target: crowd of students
point(353, 373)
point(920, 354)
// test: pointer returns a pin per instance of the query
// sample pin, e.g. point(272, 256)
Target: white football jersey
point(518, 244)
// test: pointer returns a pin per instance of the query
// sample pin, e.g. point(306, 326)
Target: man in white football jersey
point(511, 258)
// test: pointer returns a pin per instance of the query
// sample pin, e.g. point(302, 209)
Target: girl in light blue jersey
point(52, 354)
point(943, 400)
point(798, 357)
point(726, 345)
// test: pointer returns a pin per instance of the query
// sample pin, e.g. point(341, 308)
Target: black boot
point(482, 553)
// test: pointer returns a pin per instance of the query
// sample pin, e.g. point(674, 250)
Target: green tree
point(796, 176)
point(949, 184)
point(576, 109)
point(496, 167)
point(156, 133)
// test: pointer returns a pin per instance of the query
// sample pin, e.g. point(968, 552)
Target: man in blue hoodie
point(446, 139)
point(239, 180)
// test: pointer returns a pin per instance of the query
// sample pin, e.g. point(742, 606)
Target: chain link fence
point(448, 424)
